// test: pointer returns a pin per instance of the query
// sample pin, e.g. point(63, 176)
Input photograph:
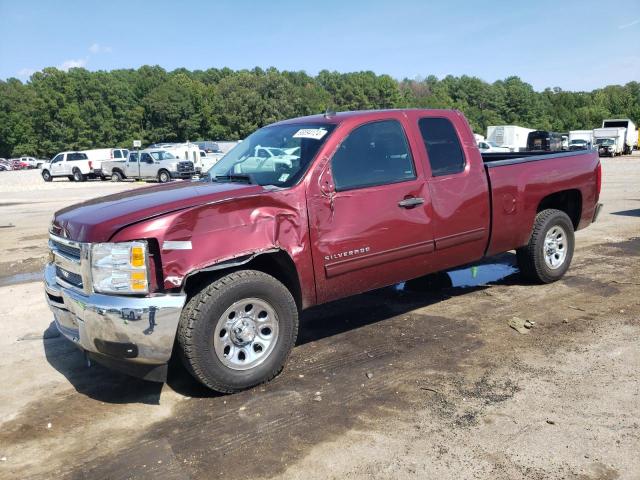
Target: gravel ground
point(394, 384)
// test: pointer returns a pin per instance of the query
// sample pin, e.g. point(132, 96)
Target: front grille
point(185, 167)
point(70, 251)
point(69, 277)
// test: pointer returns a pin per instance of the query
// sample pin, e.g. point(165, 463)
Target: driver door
point(57, 167)
point(369, 213)
point(147, 167)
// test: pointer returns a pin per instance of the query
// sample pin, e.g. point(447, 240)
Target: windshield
point(578, 142)
point(277, 155)
point(162, 155)
point(604, 141)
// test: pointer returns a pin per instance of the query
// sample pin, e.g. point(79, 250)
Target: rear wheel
point(78, 176)
point(238, 331)
point(116, 176)
point(46, 176)
point(547, 256)
point(164, 176)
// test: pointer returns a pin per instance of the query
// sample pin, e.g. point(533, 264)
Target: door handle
point(411, 202)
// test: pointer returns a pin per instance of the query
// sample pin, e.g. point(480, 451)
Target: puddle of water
point(481, 274)
point(20, 278)
point(474, 276)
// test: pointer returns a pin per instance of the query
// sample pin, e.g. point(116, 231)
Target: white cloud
point(96, 48)
point(630, 24)
point(67, 64)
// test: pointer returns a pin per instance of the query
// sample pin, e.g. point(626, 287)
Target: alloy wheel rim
point(246, 334)
point(555, 247)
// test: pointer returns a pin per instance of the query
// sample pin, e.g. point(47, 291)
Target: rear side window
point(373, 154)
point(443, 147)
point(74, 157)
point(117, 154)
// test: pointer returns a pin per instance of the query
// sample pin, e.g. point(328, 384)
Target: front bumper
point(183, 175)
point(132, 334)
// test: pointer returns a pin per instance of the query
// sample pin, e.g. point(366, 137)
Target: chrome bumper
point(123, 328)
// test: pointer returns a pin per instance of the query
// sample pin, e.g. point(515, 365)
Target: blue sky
point(576, 45)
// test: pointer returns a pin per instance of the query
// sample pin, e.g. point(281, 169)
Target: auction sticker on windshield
point(315, 133)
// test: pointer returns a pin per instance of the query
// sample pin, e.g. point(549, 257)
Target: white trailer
point(185, 151)
point(630, 135)
point(580, 139)
point(512, 137)
point(610, 141)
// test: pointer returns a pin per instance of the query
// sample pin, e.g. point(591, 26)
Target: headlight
point(120, 267)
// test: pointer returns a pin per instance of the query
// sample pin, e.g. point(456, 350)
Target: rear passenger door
point(459, 191)
point(368, 213)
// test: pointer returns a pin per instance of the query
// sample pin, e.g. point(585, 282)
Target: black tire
point(116, 176)
point(201, 315)
point(70, 177)
point(531, 258)
point(78, 176)
point(46, 175)
point(164, 176)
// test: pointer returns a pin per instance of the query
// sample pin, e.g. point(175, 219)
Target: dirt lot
point(394, 384)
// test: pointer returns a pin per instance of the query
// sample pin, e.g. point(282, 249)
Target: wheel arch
point(275, 262)
point(567, 201)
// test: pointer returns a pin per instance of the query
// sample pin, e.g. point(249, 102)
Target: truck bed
point(521, 181)
point(520, 157)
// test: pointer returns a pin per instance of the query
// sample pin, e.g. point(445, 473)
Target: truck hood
point(99, 219)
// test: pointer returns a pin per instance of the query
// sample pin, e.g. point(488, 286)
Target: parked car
point(487, 147)
point(219, 270)
point(99, 155)
point(27, 162)
point(5, 165)
point(579, 144)
point(545, 141)
point(630, 135)
point(580, 139)
point(19, 164)
point(512, 137)
point(150, 164)
point(610, 141)
point(76, 166)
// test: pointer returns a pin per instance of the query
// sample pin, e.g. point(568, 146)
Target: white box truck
point(631, 133)
point(580, 139)
point(610, 141)
point(512, 137)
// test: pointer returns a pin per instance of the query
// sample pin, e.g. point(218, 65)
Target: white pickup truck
point(150, 164)
point(75, 166)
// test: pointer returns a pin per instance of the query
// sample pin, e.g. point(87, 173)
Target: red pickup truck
point(217, 271)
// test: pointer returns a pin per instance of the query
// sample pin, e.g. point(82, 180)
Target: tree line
point(79, 109)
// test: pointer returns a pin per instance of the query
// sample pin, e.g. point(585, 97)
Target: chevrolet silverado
point(217, 271)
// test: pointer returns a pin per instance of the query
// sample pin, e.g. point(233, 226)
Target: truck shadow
point(96, 382)
point(317, 323)
point(351, 313)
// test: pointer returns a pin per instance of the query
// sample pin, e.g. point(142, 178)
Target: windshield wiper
point(236, 177)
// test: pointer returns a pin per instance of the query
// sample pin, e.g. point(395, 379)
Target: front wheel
point(238, 331)
point(163, 176)
point(547, 256)
point(46, 176)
